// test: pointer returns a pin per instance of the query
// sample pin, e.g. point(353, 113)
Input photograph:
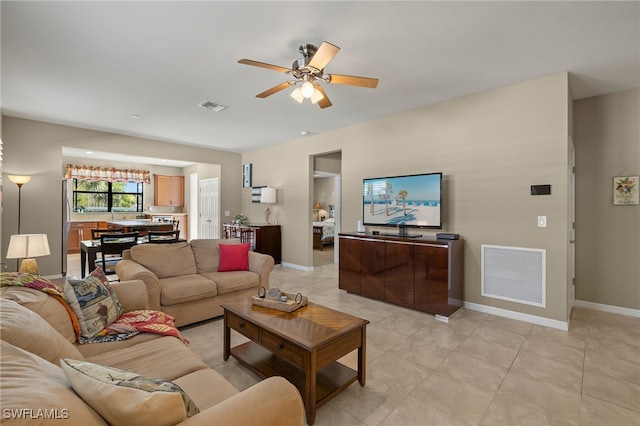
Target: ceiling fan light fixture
point(297, 94)
point(307, 70)
point(307, 89)
point(317, 96)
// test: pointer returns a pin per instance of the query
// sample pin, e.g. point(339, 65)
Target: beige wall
point(607, 139)
point(491, 147)
point(35, 148)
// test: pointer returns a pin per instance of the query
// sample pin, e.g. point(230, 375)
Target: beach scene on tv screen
point(403, 200)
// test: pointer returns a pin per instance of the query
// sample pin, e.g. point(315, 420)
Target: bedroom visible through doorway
point(326, 200)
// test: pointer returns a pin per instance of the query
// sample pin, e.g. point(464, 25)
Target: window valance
point(110, 174)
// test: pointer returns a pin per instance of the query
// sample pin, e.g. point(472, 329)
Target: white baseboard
point(298, 267)
point(608, 308)
point(533, 319)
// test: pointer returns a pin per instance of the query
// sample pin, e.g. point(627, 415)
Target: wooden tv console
point(422, 273)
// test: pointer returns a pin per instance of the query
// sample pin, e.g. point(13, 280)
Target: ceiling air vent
point(212, 106)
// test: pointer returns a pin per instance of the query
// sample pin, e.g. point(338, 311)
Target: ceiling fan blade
point(324, 102)
point(263, 65)
point(351, 80)
point(323, 55)
point(275, 89)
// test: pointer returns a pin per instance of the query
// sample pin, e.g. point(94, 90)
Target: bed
point(323, 233)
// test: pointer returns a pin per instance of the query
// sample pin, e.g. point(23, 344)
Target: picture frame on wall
point(626, 191)
point(246, 175)
point(256, 191)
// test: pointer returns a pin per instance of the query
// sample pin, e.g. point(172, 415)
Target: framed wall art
point(625, 191)
point(246, 175)
point(256, 191)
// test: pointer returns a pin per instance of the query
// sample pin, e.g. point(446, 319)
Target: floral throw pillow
point(94, 303)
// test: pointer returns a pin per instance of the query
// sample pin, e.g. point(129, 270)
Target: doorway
point(326, 201)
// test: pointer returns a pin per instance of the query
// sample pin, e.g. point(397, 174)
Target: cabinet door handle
point(280, 346)
point(241, 325)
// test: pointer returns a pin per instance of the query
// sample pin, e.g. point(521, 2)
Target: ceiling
point(96, 64)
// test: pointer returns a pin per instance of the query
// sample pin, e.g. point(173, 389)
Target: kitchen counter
point(140, 225)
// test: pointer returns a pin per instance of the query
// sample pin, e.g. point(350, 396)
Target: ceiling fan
point(309, 70)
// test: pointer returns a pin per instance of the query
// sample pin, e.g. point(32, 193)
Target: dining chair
point(111, 247)
point(95, 233)
point(247, 236)
point(164, 237)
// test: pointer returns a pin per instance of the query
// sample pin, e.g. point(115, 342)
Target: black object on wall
point(540, 189)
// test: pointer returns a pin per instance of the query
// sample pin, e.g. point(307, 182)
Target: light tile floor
point(478, 369)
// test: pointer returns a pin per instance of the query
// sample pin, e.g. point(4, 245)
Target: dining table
point(89, 250)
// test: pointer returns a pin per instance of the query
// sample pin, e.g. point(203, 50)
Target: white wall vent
point(212, 106)
point(514, 273)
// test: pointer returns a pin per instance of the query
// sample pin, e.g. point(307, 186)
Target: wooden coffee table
point(303, 346)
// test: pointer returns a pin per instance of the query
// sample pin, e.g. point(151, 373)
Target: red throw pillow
point(234, 257)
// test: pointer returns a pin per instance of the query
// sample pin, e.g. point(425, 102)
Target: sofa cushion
point(234, 257)
point(94, 303)
point(28, 382)
point(206, 387)
point(229, 282)
point(91, 350)
point(165, 260)
point(128, 398)
point(165, 358)
point(27, 330)
point(207, 254)
point(187, 288)
point(45, 306)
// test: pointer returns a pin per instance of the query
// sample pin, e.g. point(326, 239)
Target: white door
point(209, 209)
point(571, 254)
point(193, 206)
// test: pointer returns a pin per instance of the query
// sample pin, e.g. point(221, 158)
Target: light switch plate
point(542, 221)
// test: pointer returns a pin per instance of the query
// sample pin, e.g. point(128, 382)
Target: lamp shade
point(19, 180)
point(318, 206)
point(268, 195)
point(297, 94)
point(23, 246)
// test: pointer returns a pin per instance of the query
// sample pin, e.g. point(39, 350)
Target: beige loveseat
point(37, 332)
point(183, 280)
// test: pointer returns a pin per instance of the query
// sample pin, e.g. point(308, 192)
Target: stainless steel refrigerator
point(66, 223)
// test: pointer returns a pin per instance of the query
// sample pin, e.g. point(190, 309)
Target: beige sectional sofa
point(37, 333)
point(183, 280)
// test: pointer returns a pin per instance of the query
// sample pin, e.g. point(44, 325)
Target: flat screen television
point(413, 200)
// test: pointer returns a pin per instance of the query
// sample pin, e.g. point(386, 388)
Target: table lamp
point(267, 196)
point(27, 247)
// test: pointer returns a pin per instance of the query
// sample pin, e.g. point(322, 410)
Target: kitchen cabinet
point(169, 190)
point(79, 231)
point(419, 273)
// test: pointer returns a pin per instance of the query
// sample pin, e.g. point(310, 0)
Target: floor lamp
point(19, 180)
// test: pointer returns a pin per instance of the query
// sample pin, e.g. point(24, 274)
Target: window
point(104, 196)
